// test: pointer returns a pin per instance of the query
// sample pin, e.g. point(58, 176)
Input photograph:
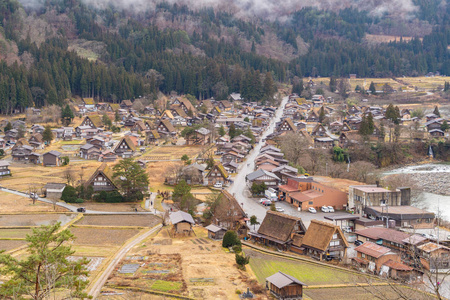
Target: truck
point(271, 194)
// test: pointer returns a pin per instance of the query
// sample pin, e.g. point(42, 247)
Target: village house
point(36, 141)
point(278, 230)
point(437, 257)
point(261, 176)
point(166, 128)
point(4, 168)
point(93, 121)
point(373, 256)
point(126, 105)
point(287, 125)
point(52, 159)
point(387, 237)
point(21, 153)
point(125, 148)
point(152, 136)
point(54, 190)
point(284, 286)
point(229, 214)
point(217, 174)
point(182, 223)
point(215, 232)
point(107, 156)
point(89, 104)
point(324, 142)
point(201, 136)
point(102, 179)
point(90, 151)
point(325, 241)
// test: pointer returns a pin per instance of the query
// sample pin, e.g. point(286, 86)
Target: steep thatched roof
point(96, 120)
point(319, 235)
point(105, 170)
point(221, 169)
point(280, 226)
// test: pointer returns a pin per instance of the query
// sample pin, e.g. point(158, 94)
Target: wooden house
point(262, 176)
point(152, 136)
point(217, 174)
point(215, 232)
point(201, 136)
point(287, 125)
point(324, 142)
point(312, 117)
point(126, 104)
point(166, 128)
point(90, 151)
point(377, 254)
point(102, 179)
point(284, 286)
point(319, 131)
point(125, 147)
point(324, 241)
point(54, 190)
point(107, 156)
point(51, 159)
point(4, 168)
point(278, 230)
point(93, 121)
point(230, 215)
point(182, 222)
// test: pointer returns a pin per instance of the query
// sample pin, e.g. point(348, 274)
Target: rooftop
point(372, 249)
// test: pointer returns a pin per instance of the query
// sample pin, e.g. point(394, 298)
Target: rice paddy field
point(120, 220)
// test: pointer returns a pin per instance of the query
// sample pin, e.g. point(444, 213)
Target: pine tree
point(333, 84)
point(47, 135)
point(8, 127)
point(221, 130)
point(444, 125)
point(321, 115)
point(436, 111)
point(372, 88)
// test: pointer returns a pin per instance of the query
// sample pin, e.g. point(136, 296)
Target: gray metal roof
point(203, 131)
point(280, 280)
point(4, 163)
point(181, 216)
point(214, 228)
point(260, 172)
point(55, 186)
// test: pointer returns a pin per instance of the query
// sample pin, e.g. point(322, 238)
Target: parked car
point(218, 185)
point(262, 200)
point(280, 209)
point(330, 209)
point(324, 209)
point(312, 210)
point(81, 209)
point(358, 243)
point(267, 203)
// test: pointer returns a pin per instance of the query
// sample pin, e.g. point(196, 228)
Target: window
point(334, 243)
point(363, 255)
point(334, 236)
point(310, 202)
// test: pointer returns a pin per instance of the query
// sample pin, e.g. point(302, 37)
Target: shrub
point(237, 248)
point(230, 239)
point(241, 260)
point(69, 194)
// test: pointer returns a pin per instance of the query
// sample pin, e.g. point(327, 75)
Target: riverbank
point(430, 178)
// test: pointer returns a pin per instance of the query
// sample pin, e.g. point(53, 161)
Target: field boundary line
point(37, 213)
point(288, 256)
point(151, 291)
point(65, 226)
point(109, 227)
point(12, 239)
point(104, 273)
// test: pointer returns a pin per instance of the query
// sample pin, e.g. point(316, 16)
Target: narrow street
point(239, 189)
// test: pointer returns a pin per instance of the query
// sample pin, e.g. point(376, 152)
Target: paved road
point(97, 287)
point(238, 188)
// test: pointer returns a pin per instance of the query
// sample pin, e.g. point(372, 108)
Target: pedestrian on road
point(151, 203)
point(135, 209)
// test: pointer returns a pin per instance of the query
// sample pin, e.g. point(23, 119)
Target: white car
point(330, 209)
point(312, 210)
point(218, 185)
point(324, 209)
point(262, 200)
point(280, 209)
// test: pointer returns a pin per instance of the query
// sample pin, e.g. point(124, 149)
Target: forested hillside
point(202, 52)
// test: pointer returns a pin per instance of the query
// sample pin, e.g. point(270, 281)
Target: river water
point(438, 204)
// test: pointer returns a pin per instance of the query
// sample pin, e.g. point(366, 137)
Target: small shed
point(215, 232)
point(54, 190)
point(284, 286)
point(182, 222)
point(51, 158)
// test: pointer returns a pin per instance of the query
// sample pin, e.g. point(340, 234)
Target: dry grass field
point(14, 233)
point(102, 237)
point(26, 176)
point(121, 220)
point(35, 219)
point(11, 203)
point(207, 270)
point(7, 245)
point(113, 207)
point(172, 152)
